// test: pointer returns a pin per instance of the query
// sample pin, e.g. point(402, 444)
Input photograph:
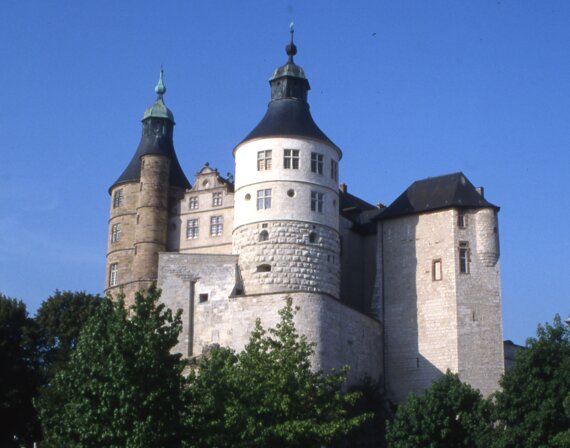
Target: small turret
point(139, 210)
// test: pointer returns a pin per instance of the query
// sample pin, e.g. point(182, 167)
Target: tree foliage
point(60, 319)
point(267, 395)
point(533, 407)
point(121, 387)
point(19, 373)
point(449, 414)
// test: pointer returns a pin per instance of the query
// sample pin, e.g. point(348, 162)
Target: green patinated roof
point(289, 69)
point(159, 109)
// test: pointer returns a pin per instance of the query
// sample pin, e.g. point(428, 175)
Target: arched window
point(312, 237)
point(263, 235)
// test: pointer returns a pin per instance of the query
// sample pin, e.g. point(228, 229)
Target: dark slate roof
point(152, 144)
point(358, 211)
point(288, 117)
point(434, 193)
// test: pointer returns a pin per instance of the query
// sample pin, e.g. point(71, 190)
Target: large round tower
point(286, 222)
point(138, 223)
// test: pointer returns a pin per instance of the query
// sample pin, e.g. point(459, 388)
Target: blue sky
point(408, 90)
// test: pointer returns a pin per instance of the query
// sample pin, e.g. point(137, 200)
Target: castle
point(399, 293)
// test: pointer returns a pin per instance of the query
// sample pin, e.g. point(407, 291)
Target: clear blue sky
point(408, 90)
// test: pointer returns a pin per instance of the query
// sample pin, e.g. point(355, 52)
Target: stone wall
point(287, 260)
point(343, 336)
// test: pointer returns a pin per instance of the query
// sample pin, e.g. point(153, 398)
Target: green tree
point(19, 374)
point(121, 387)
point(449, 414)
point(60, 319)
point(533, 407)
point(267, 395)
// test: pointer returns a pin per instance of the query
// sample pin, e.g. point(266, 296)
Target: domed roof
point(159, 109)
point(288, 112)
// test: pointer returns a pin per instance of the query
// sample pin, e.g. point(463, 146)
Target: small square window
point(436, 270)
point(291, 159)
point(216, 199)
point(203, 298)
point(264, 199)
point(264, 160)
point(193, 203)
point(118, 199)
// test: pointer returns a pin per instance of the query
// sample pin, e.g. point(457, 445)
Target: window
point(461, 219)
point(264, 199)
point(216, 225)
point(464, 257)
point(203, 298)
point(317, 201)
point(116, 233)
point(316, 163)
point(113, 274)
point(264, 268)
point(312, 237)
point(291, 159)
point(118, 199)
point(334, 170)
point(216, 199)
point(263, 235)
point(193, 203)
point(264, 160)
point(436, 272)
point(192, 229)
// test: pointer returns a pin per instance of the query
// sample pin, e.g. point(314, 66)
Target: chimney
point(481, 191)
point(343, 188)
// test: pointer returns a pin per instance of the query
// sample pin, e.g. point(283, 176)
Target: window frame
point(216, 225)
point(264, 199)
point(464, 257)
point(334, 170)
point(193, 203)
point(118, 198)
point(317, 162)
point(264, 160)
point(291, 159)
point(435, 270)
point(461, 219)
point(317, 201)
point(115, 233)
point(217, 199)
point(192, 229)
point(113, 274)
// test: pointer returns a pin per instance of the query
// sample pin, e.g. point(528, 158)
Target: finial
point(160, 88)
point(291, 49)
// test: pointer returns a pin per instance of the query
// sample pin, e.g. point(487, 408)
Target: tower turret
point(140, 198)
point(286, 222)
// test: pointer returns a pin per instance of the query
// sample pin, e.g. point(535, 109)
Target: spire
point(291, 49)
point(289, 81)
point(159, 109)
point(160, 88)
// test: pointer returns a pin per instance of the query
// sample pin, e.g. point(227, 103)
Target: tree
point(121, 387)
point(19, 374)
point(449, 414)
point(60, 319)
point(533, 407)
point(267, 395)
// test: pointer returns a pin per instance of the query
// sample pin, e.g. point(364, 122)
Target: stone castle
point(399, 293)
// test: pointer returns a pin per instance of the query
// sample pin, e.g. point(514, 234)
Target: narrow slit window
point(464, 258)
point(461, 219)
point(436, 270)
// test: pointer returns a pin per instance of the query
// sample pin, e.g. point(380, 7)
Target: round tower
point(286, 221)
point(140, 197)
